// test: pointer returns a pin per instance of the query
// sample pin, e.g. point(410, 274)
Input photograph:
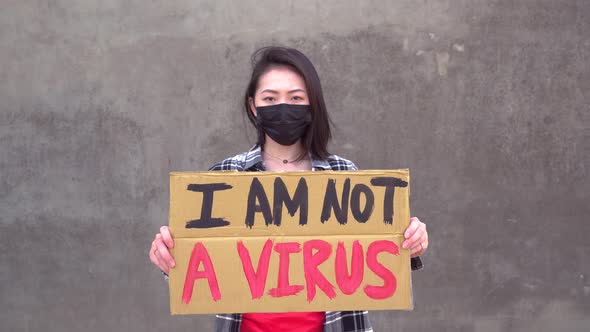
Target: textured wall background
point(486, 101)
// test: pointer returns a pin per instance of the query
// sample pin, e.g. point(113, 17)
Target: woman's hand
point(159, 253)
point(416, 237)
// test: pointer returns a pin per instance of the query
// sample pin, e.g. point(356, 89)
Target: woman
point(284, 101)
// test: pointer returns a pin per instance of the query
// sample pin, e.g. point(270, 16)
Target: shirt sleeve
point(416, 263)
point(347, 321)
point(228, 322)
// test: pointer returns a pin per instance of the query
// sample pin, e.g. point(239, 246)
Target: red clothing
point(289, 321)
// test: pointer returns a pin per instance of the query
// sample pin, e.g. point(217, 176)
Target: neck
point(275, 149)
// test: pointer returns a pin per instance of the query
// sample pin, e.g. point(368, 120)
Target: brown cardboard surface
point(311, 246)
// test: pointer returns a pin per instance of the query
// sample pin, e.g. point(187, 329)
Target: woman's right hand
point(159, 253)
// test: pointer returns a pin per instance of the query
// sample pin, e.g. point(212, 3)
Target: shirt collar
point(320, 165)
point(254, 161)
point(254, 158)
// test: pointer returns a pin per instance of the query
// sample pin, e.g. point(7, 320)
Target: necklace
point(285, 161)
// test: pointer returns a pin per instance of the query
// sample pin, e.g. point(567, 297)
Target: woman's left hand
point(416, 237)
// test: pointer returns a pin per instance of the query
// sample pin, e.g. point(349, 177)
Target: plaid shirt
point(336, 321)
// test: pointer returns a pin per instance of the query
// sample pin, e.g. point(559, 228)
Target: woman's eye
point(268, 99)
point(297, 98)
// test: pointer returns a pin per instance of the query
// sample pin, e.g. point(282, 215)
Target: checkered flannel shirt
point(335, 321)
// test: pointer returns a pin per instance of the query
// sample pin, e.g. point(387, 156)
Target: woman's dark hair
point(315, 140)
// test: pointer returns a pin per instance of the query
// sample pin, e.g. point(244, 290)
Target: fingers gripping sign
point(416, 237)
point(159, 251)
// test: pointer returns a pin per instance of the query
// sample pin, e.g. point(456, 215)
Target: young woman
point(284, 102)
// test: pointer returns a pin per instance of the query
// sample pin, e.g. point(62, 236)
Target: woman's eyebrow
point(290, 91)
point(297, 90)
point(268, 90)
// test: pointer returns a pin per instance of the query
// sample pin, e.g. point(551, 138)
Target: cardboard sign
point(289, 241)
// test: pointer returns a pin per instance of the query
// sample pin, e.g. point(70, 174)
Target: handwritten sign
point(289, 241)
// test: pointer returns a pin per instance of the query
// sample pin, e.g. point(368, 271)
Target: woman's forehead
point(281, 78)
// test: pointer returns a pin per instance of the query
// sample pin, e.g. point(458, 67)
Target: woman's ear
point(252, 107)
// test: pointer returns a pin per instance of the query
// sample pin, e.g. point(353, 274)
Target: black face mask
point(284, 123)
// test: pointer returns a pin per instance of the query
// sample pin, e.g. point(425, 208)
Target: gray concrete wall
point(486, 101)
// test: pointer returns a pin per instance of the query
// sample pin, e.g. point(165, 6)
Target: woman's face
point(280, 85)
